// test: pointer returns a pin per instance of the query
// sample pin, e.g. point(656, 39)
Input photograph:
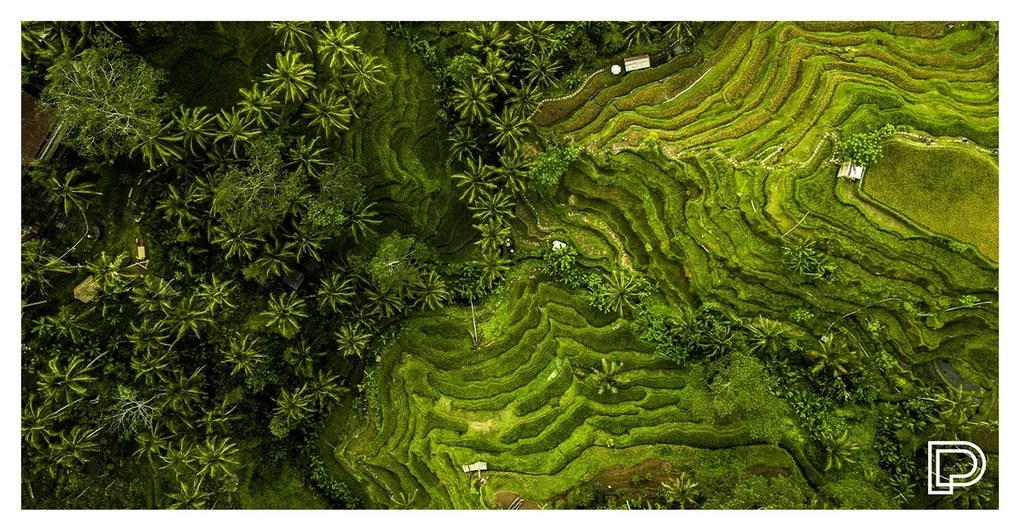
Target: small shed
point(294, 279)
point(850, 171)
point(139, 249)
point(86, 290)
point(556, 245)
point(477, 466)
point(637, 62)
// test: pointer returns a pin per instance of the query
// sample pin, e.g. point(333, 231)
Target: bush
point(863, 149)
point(547, 171)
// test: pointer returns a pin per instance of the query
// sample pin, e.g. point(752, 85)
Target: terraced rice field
point(745, 130)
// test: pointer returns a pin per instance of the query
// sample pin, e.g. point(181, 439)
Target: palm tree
point(807, 260)
point(336, 46)
point(152, 365)
point(292, 408)
point(336, 292)
point(839, 450)
point(154, 294)
point(188, 315)
point(237, 127)
point(177, 208)
point(293, 34)
point(542, 70)
point(477, 178)
point(217, 456)
point(679, 32)
point(216, 294)
point(362, 217)
point(148, 334)
point(307, 156)
point(680, 492)
point(765, 336)
point(365, 76)
point(274, 261)
point(235, 242)
point(496, 72)
point(525, 98)
point(38, 424)
point(513, 172)
point(285, 313)
point(464, 142)
point(716, 340)
point(488, 38)
point(330, 111)
point(325, 389)
point(510, 128)
point(36, 267)
point(607, 379)
point(534, 36)
point(618, 291)
point(191, 496)
point(260, 106)
point(196, 127)
point(830, 359)
point(218, 418)
point(493, 205)
point(70, 323)
point(493, 235)
point(473, 101)
point(182, 393)
point(75, 447)
point(182, 456)
point(109, 272)
point(159, 147)
point(430, 291)
point(384, 302)
point(639, 33)
point(72, 194)
point(494, 268)
point(304, 242)
point(290, 77)
point(243, 355)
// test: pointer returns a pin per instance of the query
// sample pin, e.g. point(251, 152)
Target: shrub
point(863, 149)
point(548, 169)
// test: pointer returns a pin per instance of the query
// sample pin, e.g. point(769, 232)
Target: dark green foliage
point(548, 169)
point(258, 195)
point(863, 149)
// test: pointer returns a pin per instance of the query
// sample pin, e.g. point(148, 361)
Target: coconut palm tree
point(237, 128)
point(178, 208)
point(384, 302)
point(495, 71)
point(291, 78)
point(76, 447)
point(510, 128)
point(293, 34)
point(839, 450)
point(159, 147)
point(196, 127)
point(680, 492)
point(154, 294)
point(336, 292)
point(152, 365)
point(831, 359)
point(473, 101)
point(243, 355)
point(307, 156)
point(109, 272)
point(498, 205)
point(70, 323)
point(807, 260)
point(618, 291)
point(285, 313)
point(38, 268)
point(352, 339)
point(330, 111)
point(304, 242)
point(336, 46)
point(494, 268)
point(362, 217)
point(430, 291)
point(525, 98)
point(639, 33)
point(464, 142)
point(325, 390)
point(292, 408)
point(215, 294)
point(71, 193)
point(365, 75)
point(541, 70)
point(680, 33)
point(607, 379)
point(513, 172)
point(488, 38)
point(274, 262)
point(765, 336)
point(477, 178)
point(217, 456)
point(236, 242)
point(301, 356)
point(493, 235)
point(189, 315)
point(259, 106)
point(182, 393)
point(191, 495)
point(38, 423)
point(535, 36)
point(148, 335)
point(217, 419)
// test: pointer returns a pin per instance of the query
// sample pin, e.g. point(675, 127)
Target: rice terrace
point(501, 265)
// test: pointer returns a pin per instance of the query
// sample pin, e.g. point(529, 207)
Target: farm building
point(38, 140)
point(637, 62)
point(294, 279)
point(86, 290)
point(850, 171)
point(477, 466)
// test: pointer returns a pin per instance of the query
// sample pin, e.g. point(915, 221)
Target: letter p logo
point(943, 483)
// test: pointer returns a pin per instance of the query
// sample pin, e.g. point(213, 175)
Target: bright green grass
point(951, 190)
point(280, 488)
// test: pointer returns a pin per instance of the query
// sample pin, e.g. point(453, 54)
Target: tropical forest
point(508, 264)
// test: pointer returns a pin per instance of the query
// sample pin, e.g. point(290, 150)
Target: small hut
point(87, 289)
point(294, 279)
point(850, 171)
point(139, 249)
point(638, 62)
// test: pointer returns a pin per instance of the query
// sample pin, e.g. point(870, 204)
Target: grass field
point(739, 171)
point(954, 191)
